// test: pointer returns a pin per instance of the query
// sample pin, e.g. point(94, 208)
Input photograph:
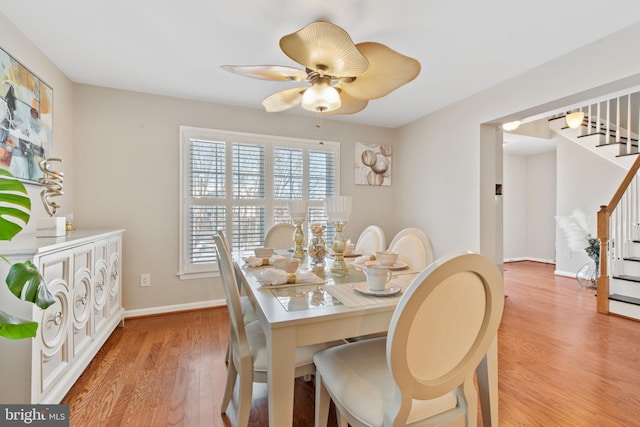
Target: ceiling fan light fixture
point(575, 119)
point(321, 98)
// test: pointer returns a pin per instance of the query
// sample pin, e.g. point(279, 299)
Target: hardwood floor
point(560, 364)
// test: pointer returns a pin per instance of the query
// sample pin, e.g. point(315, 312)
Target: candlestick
point(298, 212)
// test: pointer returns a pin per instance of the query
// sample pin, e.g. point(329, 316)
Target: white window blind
point(241, 184)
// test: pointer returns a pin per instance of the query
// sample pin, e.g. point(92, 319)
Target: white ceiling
point(175, 48)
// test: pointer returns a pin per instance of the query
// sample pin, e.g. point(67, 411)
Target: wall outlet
point(145, 279)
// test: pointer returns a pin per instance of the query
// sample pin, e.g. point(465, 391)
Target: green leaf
point(14, 204)
point(15, 328)
point(26, 275)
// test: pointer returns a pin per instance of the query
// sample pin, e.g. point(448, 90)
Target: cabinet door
point(114, 276)
point(82, 298)
point(51, 346)
point(100, 285)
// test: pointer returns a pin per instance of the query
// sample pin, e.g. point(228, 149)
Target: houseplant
point(24, 280)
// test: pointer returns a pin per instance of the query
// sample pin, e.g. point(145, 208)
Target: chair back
point(441, 329)
point(372, 239)
point(238, 339)
point(414, 247)
point(280, 236)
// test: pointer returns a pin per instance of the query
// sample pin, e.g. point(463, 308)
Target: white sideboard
point(83, 270)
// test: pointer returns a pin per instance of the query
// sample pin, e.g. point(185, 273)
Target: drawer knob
point(57, 318)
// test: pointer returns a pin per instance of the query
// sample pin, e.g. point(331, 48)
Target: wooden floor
point(560, 364)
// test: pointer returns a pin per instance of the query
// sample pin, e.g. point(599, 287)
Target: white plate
point(393, 267)
point(363, 288)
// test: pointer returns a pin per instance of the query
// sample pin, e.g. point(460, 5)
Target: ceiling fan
point(343, 76)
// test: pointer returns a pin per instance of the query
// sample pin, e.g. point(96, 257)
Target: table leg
point(281, 350)
point(487, 374)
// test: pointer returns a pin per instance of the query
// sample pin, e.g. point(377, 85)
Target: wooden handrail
point(604, 215)
point(625, 184)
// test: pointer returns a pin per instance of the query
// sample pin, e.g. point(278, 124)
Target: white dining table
point(329, 310)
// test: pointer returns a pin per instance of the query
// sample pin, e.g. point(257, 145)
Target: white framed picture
point(373, 164)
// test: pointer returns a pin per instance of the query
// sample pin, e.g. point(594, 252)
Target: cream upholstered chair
point(414, 247)
point(248, 352)
point(423, 371)
point(280, 236)
point(372, 239)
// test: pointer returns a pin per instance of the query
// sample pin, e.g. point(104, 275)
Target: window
point(241, 183)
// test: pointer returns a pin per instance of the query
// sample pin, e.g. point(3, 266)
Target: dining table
point(322, 307)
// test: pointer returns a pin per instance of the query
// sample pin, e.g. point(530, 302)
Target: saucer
point(393, 267)
point(363, 289)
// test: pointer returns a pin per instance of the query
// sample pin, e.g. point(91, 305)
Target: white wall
point(444, 174)
point(515, 207)
point(530, 207)
point(15, 44)
point(121, 149)
point(541, 206)
point(586, 182)
point(127, 153)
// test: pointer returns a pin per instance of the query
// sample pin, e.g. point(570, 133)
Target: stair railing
point(617, 224)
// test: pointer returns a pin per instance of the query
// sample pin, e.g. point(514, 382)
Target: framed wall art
point(26, 119)
point(373, 164)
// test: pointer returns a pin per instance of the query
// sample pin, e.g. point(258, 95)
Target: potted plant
point(24, 280)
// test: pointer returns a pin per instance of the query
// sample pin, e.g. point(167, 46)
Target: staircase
point(610, 129)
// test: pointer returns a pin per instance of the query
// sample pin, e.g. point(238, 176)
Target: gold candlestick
point(298, 238)
point(339, 244)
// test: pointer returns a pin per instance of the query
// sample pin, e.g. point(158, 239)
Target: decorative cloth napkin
point(254, 261)
point(274, 276)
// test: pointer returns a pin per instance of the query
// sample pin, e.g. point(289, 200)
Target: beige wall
point(444, 173)
point(121, 150)
point(127, 155)
point(16, 45)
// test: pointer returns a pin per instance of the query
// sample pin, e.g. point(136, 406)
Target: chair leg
point(471, 401)
point(232, 374)
point(245, 393)
point(322, 403)
point(342, 420)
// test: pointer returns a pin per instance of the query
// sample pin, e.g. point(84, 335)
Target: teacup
point(348, 249)
point(377, 277)
point(387, 258)
point(264, 253)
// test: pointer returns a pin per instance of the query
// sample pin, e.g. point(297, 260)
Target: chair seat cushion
point(258, 345)
point(360, 381)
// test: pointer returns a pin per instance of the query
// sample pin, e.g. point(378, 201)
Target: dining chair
point(248, 313)
point(423, 372)
point(372, 239)
point(280, 236)
point(248, 352)
point(414, 247)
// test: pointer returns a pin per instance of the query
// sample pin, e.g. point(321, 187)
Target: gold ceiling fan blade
point(388, 70)
point(268, 72)
point(349, 105)
point(283, 100)
point(325, 48)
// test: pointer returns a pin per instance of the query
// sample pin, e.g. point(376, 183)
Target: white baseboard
point(174, 308)
point(565, 273)
point(546, 261)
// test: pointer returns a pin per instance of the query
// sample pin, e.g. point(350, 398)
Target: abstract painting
point(373, 164)
point(26, 119)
